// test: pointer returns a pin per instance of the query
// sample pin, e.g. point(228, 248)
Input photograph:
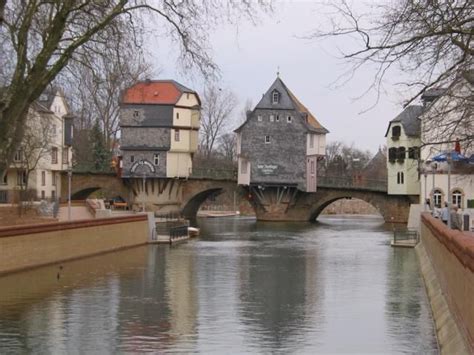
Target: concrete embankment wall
point(447, 262)
point(23, 247)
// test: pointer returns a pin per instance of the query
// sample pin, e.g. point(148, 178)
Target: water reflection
point(244, 286)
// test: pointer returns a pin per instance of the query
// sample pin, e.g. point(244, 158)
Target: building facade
point(159, 123)
point(280, 143)
point(44, 153)
point(403, 144)
point(442, 131)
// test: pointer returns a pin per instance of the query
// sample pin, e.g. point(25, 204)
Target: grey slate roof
point(409, 118)
point(288, 101)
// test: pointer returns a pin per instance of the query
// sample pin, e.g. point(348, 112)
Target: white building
point(403, 144)
point(439, 133)
point(44, 153)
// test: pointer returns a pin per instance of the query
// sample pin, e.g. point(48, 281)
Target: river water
point(243, 287)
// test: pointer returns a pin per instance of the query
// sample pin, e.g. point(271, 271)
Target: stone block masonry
point(24, 247)
point(447, 262)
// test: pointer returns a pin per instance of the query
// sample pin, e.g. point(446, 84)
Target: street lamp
point(69, 177)
point(143, 200)
point(425, 203)
point(449, 159)
point(434, 166)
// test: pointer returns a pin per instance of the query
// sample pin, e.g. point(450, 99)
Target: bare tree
point(227, 147)
point(38, 38)
point(343, 160)
point(34, 148)
point(430, 42)
point(217, 107)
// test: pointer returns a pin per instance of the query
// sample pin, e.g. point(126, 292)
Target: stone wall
point(24, 247)
point(451, 255)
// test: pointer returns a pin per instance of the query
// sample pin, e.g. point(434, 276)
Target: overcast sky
point(249, 57)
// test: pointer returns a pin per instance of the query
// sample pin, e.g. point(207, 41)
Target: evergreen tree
point(101, 155)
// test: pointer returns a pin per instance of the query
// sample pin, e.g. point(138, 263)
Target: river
point(242, 287)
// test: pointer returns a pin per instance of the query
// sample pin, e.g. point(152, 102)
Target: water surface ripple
point(243, 287)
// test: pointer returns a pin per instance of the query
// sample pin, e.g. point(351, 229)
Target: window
point(413, 153)
point(312, 167)
point(401, 153)
point(289, 119)
point(187, 95)
point(65, 155)
point(43, 178)
point(400, 178)
point(53, 194)
point(43, 195)
point(278, 118)
point(21, 177)
point(176, 135)
point(311, 140)
point(132, 158)
point(259, 118)
point(243, 166)
point(18, 156)
point(156, 159)
point(267, 139)
point(457, 198)
point(275, 97)
point(136, 114)
point(54, 179)
point(437, 198)
point(392, 155)
point(177, 115)
point(53, 130)
point(54, 155)
point(396, 130)
point(5, 179)
point(272, 118)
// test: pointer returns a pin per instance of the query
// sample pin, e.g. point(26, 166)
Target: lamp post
point(69, 177)
point(425, 204)
point(449, 158)
point(434, 166)
point(143, 201)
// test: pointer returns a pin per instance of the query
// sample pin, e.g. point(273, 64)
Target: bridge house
point(280, 142)
point(159, 121)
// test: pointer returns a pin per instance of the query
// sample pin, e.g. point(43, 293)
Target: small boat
point(193, 232)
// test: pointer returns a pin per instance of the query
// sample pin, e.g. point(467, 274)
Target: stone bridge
point(271, 203)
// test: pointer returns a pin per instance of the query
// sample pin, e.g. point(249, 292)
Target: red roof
point(153, 92)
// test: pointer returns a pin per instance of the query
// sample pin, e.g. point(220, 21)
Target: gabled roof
point(409, 119)
point(164, 92)
point(288, 101)
point(47, 97)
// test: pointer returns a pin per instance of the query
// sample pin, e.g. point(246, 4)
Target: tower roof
point(165, 92)
point(288, 101)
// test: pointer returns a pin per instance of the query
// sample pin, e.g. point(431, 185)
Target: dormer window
point(396, 131)
point(275, 97)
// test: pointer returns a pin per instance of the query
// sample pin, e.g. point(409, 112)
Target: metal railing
point(352, 183)
point(178, 233)
point(214, 174)
point(3, 196)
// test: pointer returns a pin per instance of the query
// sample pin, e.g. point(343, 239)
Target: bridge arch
point(393, 208)
point(84, 193)
point(192, 206)
point(319, 208)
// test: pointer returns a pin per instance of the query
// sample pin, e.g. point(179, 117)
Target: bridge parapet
point(343, 182)
point(214, 174)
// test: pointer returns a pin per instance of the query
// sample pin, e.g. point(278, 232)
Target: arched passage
point(191, 207)
point(84, 193)
point(319, 208)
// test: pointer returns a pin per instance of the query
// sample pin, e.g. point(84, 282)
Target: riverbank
point(447, 263)
point(28, 246)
